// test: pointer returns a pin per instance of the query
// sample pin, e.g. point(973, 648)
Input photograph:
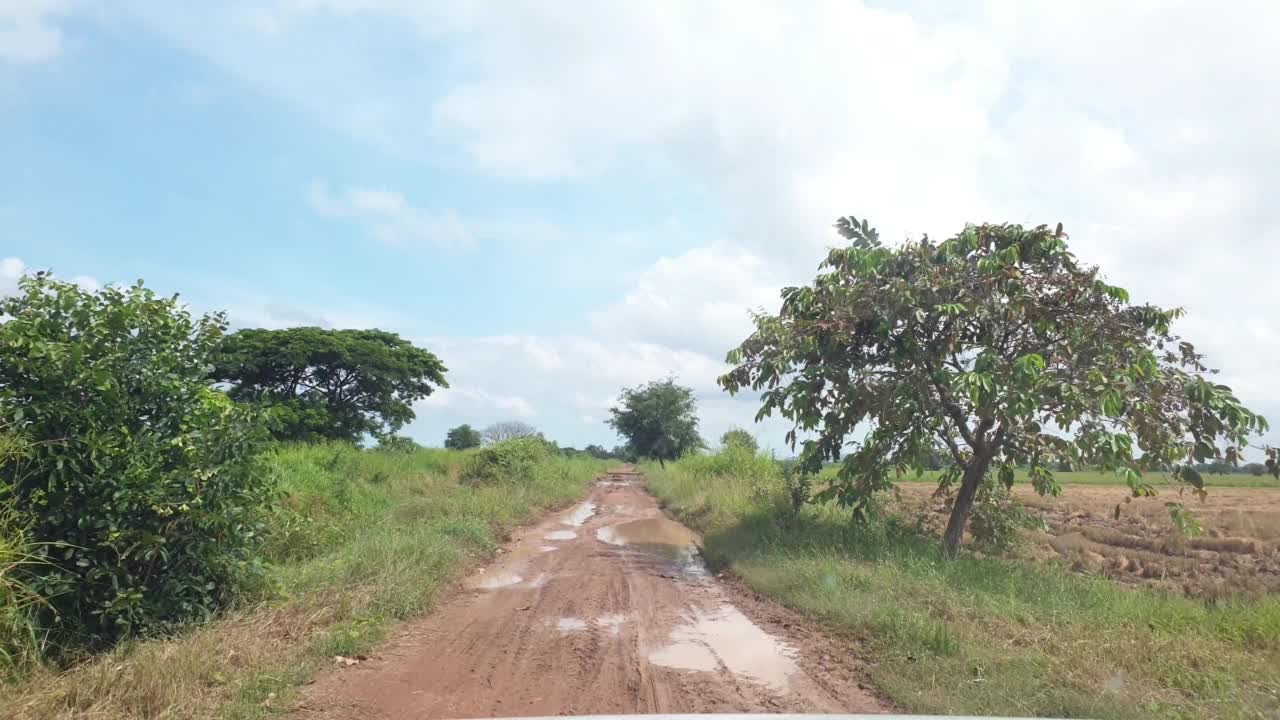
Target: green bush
point(20, 642)
point(397, 443)
point(141, 483)
point(507, 461)
point(997, 517)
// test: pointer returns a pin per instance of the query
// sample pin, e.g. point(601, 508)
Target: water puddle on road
point(580, 514)
point(658, 536)
point(611, 623)
point(561, 535)
point(568, 625)
point(495, 580)
point(725, 637)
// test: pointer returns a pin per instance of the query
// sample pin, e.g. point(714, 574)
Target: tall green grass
point(979, 635)
point(359, 539)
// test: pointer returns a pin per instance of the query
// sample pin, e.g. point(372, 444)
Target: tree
point(509, 430)
point(659, 420)
point(461, 438)
point(599, 453)
point(737, 437)
point(397, 444)
point(328, 384)
point(979, 345)
point(138, 481)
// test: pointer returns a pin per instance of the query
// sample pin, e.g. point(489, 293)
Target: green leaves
point(659, 420)
point(333, 384)
point(140, 481)
point(971, 346)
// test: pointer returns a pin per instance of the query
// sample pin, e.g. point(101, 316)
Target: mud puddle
point(658, 537)
point(725, 638)
point(560, 535)
point(580, 514)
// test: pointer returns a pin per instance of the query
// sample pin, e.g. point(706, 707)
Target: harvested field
point(1238, 552)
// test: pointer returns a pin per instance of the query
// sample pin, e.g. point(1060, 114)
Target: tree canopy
point(508, 430)
point(462, 437)
point(659, 420)
point(997, 347)
point(335, 384)
point(737, 437)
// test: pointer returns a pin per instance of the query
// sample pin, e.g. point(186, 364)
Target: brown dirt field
point(603, 609)
point(1238, 552)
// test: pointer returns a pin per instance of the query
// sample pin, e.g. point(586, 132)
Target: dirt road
point(603, 608)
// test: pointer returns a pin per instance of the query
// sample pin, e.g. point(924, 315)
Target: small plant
point(998, 516)
point(798, 484)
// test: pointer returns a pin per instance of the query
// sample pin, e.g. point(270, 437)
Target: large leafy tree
point(997, 347)
point(462, 437)
point(337, 384)
point(659, 420)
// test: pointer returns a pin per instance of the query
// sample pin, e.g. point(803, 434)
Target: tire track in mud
point(621, 618)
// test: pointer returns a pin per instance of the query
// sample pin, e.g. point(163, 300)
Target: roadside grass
point(361, 539)
point(1094, 477)
point(980, 635)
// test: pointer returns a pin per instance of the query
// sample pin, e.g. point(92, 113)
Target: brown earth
point(1237, 552)
point(603, 609)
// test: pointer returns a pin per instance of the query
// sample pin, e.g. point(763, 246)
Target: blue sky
point(565, 199)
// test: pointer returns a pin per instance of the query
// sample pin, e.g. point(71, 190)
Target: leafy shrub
point(141, 483)
point(507, 461)
point(397, 443)
point(997, 517)
point(20, 643)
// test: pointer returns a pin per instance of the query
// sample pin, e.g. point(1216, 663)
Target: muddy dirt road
point(603, 608)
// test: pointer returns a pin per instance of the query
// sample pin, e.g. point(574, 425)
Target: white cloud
point(389, 218)
point(27, 32)
point(12, 269)
point(469, 401)
point(700, 300)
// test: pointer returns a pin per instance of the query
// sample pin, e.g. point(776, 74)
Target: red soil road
point(602, 609)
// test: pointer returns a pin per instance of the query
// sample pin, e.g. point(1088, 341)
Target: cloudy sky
point(565, 198)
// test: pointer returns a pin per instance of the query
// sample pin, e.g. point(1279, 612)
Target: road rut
point(605, 608)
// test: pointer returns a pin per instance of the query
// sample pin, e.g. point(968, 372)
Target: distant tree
point(659, 420)
point(509, 430)
point(1255, 469)
point(328, 384)
point(737, 437)
point(462, 437)
point(397, 443)
point(599, 452)
point(997, 346)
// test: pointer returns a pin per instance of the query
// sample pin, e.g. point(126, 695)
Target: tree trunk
point(662, 462)
point(973, 475)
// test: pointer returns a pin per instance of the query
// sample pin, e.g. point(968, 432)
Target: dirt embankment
point(603, 609)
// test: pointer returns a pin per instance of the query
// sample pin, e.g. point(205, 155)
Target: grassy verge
point(1092, 477)
point(360, 540)
point(981, 635)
